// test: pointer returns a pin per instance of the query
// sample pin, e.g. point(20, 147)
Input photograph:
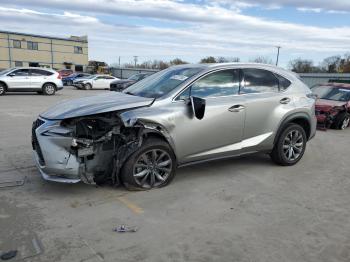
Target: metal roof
point(44, 36)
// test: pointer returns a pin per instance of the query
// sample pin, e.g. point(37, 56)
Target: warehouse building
point(17, 50)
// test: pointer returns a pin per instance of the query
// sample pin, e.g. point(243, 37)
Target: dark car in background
point(67, 81)
point(333, 105)
point(120, 85)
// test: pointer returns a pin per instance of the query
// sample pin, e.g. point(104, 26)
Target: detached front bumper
point(78, 85)
point(51, 149)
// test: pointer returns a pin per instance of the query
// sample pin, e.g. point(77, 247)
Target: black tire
point(2, 89)
point(40, 92)
point(49, 89)
point(129, 167)
point(87, 86)
point(342, 121)
point(282, 148)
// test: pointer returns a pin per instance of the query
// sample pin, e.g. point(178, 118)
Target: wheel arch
point(6, 86)
point(159, 133)
point(302, 119)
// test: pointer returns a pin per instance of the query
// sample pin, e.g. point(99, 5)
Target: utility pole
point(119, 61)
point(135, 59)
point(278, 54)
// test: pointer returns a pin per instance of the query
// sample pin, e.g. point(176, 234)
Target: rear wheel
point(49, 89)
point(2, 89)
point(153, 165)
point(343, 121)
point(290, 146)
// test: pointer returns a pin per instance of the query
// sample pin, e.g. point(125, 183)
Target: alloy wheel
point(152, 168)
point(2, 89)
point(293, 145)
point(50, 89)
point(345, 123)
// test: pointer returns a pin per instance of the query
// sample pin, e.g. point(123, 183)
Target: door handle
point(285, 100)
point(236, 108)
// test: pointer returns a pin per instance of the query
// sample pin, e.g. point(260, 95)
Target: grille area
point(35, 143)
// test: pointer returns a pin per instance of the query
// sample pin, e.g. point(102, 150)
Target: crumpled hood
point(81, 79)
point(326, 105)
point(92, 105)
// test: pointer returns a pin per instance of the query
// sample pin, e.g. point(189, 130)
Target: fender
point(289, 119)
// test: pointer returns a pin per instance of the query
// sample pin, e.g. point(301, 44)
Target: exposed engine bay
point(99, 143)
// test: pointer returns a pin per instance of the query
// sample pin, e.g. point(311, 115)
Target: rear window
point(283, 82)
point(39, 72)
point(259, 81)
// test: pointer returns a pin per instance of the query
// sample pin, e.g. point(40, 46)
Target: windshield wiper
point(129, 93)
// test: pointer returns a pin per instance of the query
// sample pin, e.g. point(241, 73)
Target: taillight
point(312, 96)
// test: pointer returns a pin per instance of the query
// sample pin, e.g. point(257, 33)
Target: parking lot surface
point(242, 209)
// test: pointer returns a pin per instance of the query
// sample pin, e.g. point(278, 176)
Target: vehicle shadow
point(199, 171)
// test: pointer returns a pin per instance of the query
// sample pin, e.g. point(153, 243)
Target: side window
point(109, 77)
point(32, 45)
point(21, 72)
point(221, 83)
point(39, 72)
point(100, 77)
point(16, 44)
point(259, 81)
point(283, 82)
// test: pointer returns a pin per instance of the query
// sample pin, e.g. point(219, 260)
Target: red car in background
point(333, 105)
point(65, 72)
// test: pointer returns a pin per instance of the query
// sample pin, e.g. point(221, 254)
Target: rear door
point(38, 77)
point(19, 79)
point(266, 104)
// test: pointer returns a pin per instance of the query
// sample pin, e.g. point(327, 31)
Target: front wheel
point(290, 146)
point(343, 121)
point(49, 89)
point(2, 89)
point(153, 165)
point(87, 86)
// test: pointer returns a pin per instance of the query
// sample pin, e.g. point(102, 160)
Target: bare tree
point(301, 66)
point(208, 60)
point(331, 64)
point(262, 60)
point(177, 61)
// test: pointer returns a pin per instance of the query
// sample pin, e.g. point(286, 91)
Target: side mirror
point(198, 106)
point(11, 74)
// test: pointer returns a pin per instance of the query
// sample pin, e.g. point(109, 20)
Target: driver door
point(99, 82)
point(219, 133)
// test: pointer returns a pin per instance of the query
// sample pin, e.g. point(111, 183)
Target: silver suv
point(30, 79)
point(182, 115)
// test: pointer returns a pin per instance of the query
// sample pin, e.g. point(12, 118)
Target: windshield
point(135, 77)
point(89, 77)
point(161, 83)
point(332, 93)
point(5, 71)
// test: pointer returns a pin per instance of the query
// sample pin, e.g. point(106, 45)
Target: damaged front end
point(91, 149)
point(327, 116)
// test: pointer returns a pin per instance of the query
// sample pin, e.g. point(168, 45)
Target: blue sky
point(189, 29)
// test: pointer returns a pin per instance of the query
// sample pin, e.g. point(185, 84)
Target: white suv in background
point(30, 79)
